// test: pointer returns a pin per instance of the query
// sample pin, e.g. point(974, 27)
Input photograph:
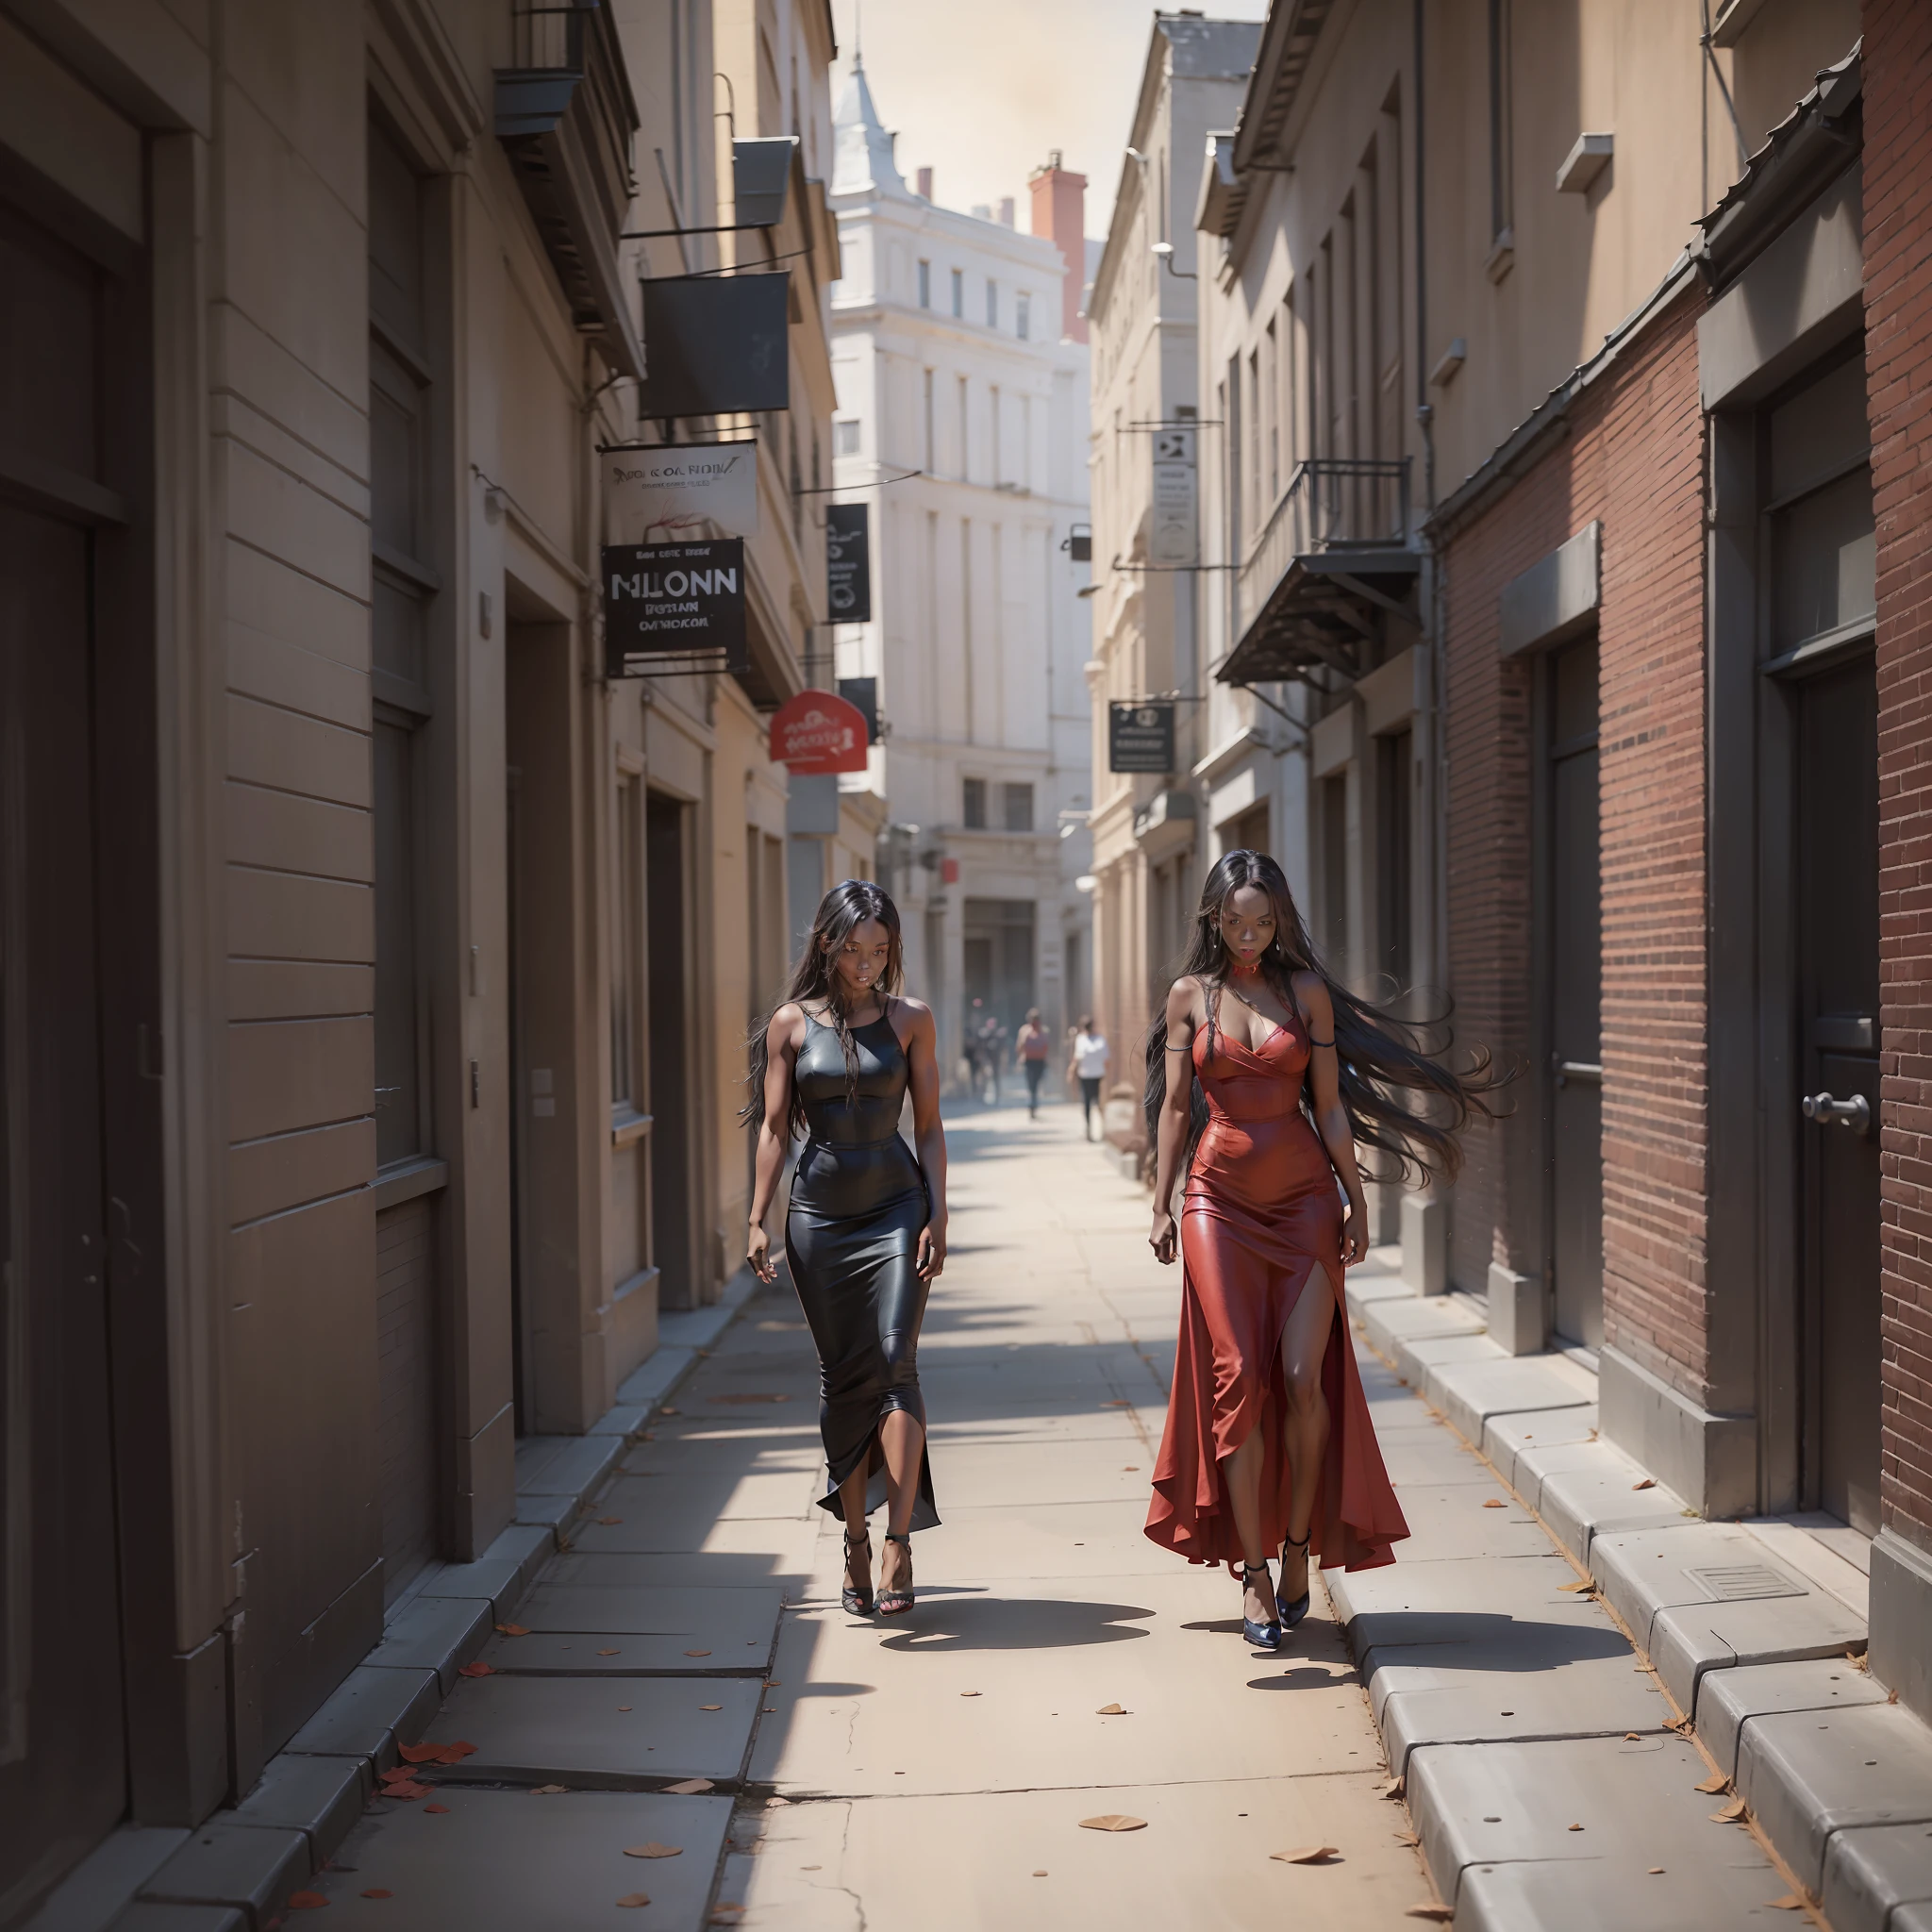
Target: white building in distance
point(959, 355)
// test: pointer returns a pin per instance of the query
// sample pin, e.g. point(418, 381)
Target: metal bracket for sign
point(1157, 570)
point(1254, 690)
point(723, 443)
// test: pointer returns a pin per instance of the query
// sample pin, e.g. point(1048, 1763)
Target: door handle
point(1855, 1114)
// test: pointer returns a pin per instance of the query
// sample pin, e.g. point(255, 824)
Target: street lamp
point(1165, 251)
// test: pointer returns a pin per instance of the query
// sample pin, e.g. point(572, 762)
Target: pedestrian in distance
point(1034, 1045)
point(1264, 1077)
point(865, 1235)
point(992, 1054)
point(1088, 1067)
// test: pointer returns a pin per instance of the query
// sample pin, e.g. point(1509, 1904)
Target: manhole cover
point(1735, 1582)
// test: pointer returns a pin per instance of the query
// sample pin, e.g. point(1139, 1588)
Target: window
point(960, 292)
point(1023, 317)
point(992, 303)
point(925, 285)
point(846, 431)
point(999, 469)
point(965, 469)
point(1395, 818)
point(973, 803)
point(929, 465)
point(1499, 120)
point(626, 943)
point(1017, 803)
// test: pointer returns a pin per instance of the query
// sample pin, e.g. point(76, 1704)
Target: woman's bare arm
point(782, 1039)
point(1331, 1117)
point(928, 1134)
point(1171, 1126)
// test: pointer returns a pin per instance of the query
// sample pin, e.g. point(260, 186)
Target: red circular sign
point(818, 731)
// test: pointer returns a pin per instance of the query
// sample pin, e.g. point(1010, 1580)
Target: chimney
point(924, 178)
point(1060, 213)
point(1006, 210)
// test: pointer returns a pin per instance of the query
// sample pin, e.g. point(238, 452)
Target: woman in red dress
point(1263, 1076)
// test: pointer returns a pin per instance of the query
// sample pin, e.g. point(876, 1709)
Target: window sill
point(627, 1124)
point(407, 1179)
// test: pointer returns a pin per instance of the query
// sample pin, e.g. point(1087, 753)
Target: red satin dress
point(1261, 1223)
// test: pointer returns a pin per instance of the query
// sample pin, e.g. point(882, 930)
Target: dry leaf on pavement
point(548, 1790)
point(1581, 1583)
point(607, 1653)
point(1408, 1838)
point(1676, 1723)
point(1575, 1827)
point(689, 1788)
point(1715, 1782)
point(1306, 1855)
point(1649, 1482)
point(697, 1653)
point(306, 1901)
point(711, 1707)
point(437, 1810)
point(1493, 1503)
point(513, 1629)
point(634, 1898)
point(1111, 1710)
point(377, 1892)
point(437, 1754)
point(478, 1669)
point(1789, 1903)
point(1731, 1813)
point(610, 1522)
point(407, 1788)
point(1442, 1914)
point(969, 1693)
point(653, 1850)
point(1113, 1820)
point(1393, 1789)
point(1632, 1738)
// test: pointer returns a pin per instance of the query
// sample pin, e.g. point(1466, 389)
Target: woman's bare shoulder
point(1187, 996)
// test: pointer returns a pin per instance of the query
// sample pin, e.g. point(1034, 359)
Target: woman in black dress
point(866, 1233)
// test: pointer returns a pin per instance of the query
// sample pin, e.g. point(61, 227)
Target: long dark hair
point(848, 905)
point(1402, 1100)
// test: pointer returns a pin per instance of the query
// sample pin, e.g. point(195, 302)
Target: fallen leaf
point(634, 1898)
point(306, 1901)
point(1391, 1790)
point(1037, 1875)
point(670, 1411)
point(407, 1788)
point(437, 1810)
point(1857, 1661)
point(654, 1850)
point(1681, 1724)
point(607, 1653)
point(711, 1707)
point(1582, 1583)
point(747, 1395)
point(1116, 1404)
point(548, 1790)
point(1111, 1710)
point(1631, 1738)
point(1730, 1814)
point(1789, 1903)
point(969, 1693)
point(1306, 1855)
point(1592, 1437)
point(623, 1707)
point(772, 1803)
point(1575, 1827)
point(773, 1684)
point(1493, 1503)
point(1715, 1782)
point(726, 1914)
point(437, 1754)
point(1113, 1820)
point(1442, 1914)
point(610, 1522)
point(512, 1629)
point(1408, 1838)
point(478, 1669)
point(689, 1788)
point(1130, 1468)
point(769, 1710)
point(1649, 1482)
point(697, 1653)
point(377, 1892)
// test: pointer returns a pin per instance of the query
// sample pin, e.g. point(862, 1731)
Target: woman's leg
point(1305, 1429)
point(1242, 1475)
point(852, 1502)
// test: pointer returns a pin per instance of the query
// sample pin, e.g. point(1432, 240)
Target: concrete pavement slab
point(563, 1465)
point(253, 1868)
point(147, 1916)
point(1506, 1436)
point(109, 1877)
point(666, 1513)
point(373, 1709)
point(597, 1599)
point(577, 1731)
point(1690, 1896)
point(501, 1574)
point(1807, 1774)
point(1428, 1457)
point(1690, 1641)
point(1729, 1700)
point(508, 1861)
point(320, 1797)
point(1872, 1871)
point(544, 1512)
point(1203, 1863)
point(1410, 1318)
point(1450, 1519)
point(1603, 1497)
point(1470, 1391)
point(1500, 1805)
point(1461, 1601)
point(434, 1633)
point(990, 1545)
point(1643, 1571)
point(1071, 1473)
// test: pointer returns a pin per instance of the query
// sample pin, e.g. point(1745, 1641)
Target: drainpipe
point(1426, 417)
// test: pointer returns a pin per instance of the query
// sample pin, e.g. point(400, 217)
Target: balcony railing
point(1331, 503)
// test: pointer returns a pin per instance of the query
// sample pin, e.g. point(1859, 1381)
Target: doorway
point(1835, 877)
point(1573, 947)
point(997, 953)
point(63, 1763)
point(670, 1023)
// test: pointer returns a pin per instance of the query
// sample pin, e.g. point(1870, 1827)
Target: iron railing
point(1331, 503)
point(579, 38)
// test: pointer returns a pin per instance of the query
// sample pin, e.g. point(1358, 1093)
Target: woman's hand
point(1355, 1236)
point(1164, 1240)
point(757, 1251)
point(932, 1251)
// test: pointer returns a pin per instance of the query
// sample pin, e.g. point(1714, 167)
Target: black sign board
point(673, 606)
point(848, 562)
point(863, 692)
point(1140, 736)
point(716, 343)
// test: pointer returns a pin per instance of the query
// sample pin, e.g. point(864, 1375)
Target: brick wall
point(1633, 457)
point(1898, 320)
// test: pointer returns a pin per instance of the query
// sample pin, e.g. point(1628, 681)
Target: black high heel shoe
point(1263, 1635)
point(899, 1599)
point(1295, 1611)
point(853, 1601)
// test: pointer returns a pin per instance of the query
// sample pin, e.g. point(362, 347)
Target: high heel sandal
point(898, 1599)
point(853, 1601)
point(1263, 1635)
point(1294, 1612)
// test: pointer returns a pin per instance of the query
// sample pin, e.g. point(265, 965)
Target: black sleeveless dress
point(859, 1201)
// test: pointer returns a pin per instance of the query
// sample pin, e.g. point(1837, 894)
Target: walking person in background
point(992, 1054)
point(1089, 1066)
point(866, 1232)
point(1264, 1077)
point(1034, 1044)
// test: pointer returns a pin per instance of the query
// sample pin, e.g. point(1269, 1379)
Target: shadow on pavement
point(1015, 1623)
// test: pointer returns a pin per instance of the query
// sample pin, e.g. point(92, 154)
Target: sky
point(979, 90)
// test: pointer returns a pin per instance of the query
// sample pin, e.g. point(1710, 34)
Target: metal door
point(1575, 952)
point(1838, 1019)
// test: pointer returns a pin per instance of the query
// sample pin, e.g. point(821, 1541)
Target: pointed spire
point(864, 150)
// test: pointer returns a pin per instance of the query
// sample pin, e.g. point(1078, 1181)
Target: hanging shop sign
point(818, 731)
point(715, 344)
point(1140, 736)
point(1172, 541)
point(673, 606)
point(680, 493)
point(848, 562)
